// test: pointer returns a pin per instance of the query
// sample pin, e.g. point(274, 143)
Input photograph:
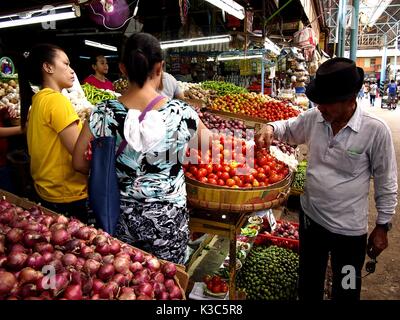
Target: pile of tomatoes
point(215, 284)
point(229, 167)
point(255, 106)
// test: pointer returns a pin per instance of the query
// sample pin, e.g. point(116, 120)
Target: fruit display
point(9, 97)
point(300, 177)
point(253, 105)
point(46, 256)
point(285, 229)
point(288, 158)
point(196, 91)
point(225, 165)
point(95, 95)
point(223, 88)
point(269, 273)
point(213, 121)
point(120, 85)
point(78, 99)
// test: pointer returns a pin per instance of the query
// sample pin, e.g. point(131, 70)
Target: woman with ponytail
point(53, 127)
point(156, 131)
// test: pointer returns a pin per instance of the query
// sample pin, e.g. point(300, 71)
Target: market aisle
point(384, 284)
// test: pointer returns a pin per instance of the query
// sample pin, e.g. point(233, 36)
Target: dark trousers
point(372, 99)
point(347, 253)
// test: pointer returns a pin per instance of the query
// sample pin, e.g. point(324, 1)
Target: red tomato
point(207, 278)
point(256, 183)
point(201, 173)
point(210, 286)
point(212, 181)
point(209, 168)
point(230, 182)
point(216, 279)
point(216, 288)
point(261, 176)
point(260, 170)
point(262, 161)
point(232, 172)
point(248, 185)
point(267, 169)
point(224, 287)
point(217, 167)
point(189, 175)
point(193, 170)
point(262, 184)
point(219, 174)
point(225, 176)
point(204, 180)
point(273, 178)
point(221, 182)
point(212, 176)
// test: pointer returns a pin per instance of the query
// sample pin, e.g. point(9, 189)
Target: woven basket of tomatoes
point(225, 179)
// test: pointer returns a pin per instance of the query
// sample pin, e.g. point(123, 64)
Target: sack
point(103, 183)
point(305, 38)
point(104, 195)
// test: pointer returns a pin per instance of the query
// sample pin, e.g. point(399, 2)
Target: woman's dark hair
point(139, 55)
point(30, 72)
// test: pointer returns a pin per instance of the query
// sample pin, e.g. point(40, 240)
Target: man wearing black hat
point(346, 146)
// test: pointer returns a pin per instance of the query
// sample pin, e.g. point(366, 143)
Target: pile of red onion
point(51, 257)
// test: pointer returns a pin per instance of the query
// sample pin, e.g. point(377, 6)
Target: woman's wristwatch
point(386, 226)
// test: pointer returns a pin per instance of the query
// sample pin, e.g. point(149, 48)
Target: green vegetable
point(95, 95)
point(223, 88)
point(300, 177)
point(269, 273)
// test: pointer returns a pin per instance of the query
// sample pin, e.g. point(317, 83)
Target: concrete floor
point(384, 284)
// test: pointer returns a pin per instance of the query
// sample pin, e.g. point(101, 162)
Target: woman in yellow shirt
point(52, 130)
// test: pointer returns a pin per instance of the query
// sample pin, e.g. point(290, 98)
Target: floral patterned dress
point(153, 215)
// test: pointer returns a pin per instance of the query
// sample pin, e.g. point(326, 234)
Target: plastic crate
point(267, 239)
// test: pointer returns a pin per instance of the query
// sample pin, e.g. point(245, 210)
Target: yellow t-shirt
point(51, 164)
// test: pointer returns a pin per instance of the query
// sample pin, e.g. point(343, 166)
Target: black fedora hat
point(337, 79)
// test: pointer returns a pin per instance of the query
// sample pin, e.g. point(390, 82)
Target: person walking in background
point(98, 79)
point(372, 93)
point(347, 146)
point(366, 89)
point(52, 130)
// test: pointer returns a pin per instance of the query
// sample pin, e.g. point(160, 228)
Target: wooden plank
point(198, 251)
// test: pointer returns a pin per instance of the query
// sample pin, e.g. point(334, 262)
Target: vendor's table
point(223, 224)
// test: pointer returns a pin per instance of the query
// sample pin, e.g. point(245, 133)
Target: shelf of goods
point(37, 244)
point(9, 98)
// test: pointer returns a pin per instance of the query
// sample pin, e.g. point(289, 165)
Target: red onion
point(58, 254)
point(153, 264)
point(96, 297)
point(169, 283)
point(35, 211)
point(76, 277)
point(109, 291)
point(136, 266)
point(47, 220)
point(2, 247)
point(47, 256)
point(60, 237)
point(35, 261)
point(95, 256)
point(4, 228)
point(62, 219)
point(97, 285)
point(109, 259)
point(4, 204)
point(15, 235)
point(43, 247)
point(74, 245)
point(158, 277)
point(87, 285)
point(27, 290)
point(175, 292)
point(129, 276)
point(120, 279)
point(16, 260)
point(123, 255)
point(159, 288)
point(69, 259)
point(58, 226)
point(7, 215)
point(139, 257)
point(169, 269)
point(3, 261)
point(115, 247)
point(32, 237)
point(127, 296)
point(33, 226)
point(85, 251)
point(57, 265)
point(163, 296)
point(7, 283)
point(145, 289)
point(17, 248)
point(100, 240)
point(103, 249)
point(82, 233)
point(80, 263)
point(73, 292)
point(106, 272)
point(121, 265)
point(140, 277)
point(91, 266)
point(29, 275)
point(73, 226)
